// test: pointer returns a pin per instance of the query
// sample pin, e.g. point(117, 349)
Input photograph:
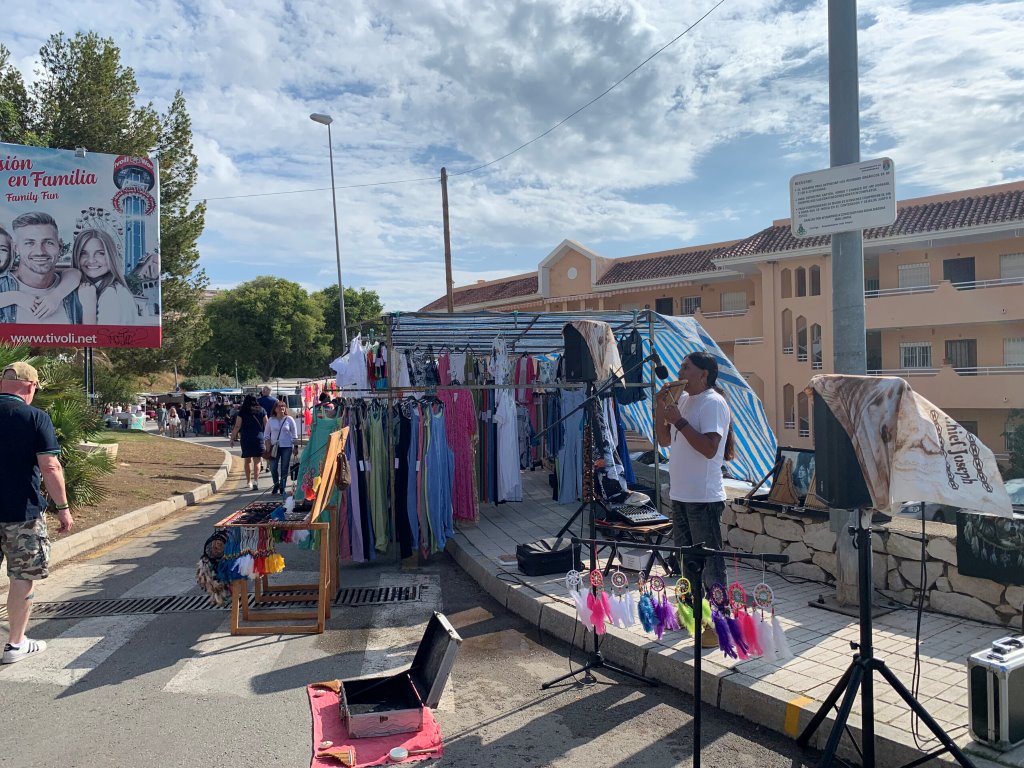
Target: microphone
point(659, 367)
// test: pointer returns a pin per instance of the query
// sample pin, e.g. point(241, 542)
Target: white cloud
point(416, 85)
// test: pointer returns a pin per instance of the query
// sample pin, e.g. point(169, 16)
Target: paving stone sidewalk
point(783, 696)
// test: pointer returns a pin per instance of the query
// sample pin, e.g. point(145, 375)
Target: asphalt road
point(177, 690)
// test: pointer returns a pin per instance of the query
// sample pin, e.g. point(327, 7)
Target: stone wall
point(811, 546)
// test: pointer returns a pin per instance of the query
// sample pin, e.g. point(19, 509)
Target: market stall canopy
point(541, 334)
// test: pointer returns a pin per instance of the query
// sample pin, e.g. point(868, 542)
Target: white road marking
point(78, 651)
point(226, 664)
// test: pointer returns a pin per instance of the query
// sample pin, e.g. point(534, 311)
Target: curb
point(98, 535)
point(727, 689)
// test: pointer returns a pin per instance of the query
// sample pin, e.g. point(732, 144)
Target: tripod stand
point(596, 660)
point(860, 673)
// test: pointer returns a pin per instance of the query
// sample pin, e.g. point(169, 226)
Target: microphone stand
point(594, 394)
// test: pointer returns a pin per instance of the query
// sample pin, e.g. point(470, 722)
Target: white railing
point(991, 370)
point(801, 357)
point(789, 425)
point(787, 350)
point(725, 313)
point(816, 365)
point(976, 284)
point(749, 341)
point(989, 283)
point(900, 291)
point(904, 372)
point(805, 432)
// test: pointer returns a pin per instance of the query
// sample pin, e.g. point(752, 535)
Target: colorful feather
point(767, 640)
point(779, 636)
point(737, 637)
point(722, 630)
point(630, 610)
point(606, 603)
point(596, 613)
point(648, 618)
point(750, 633)
point(685, 614)
point(705, 613)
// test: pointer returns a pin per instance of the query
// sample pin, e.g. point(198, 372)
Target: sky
point(697, 146)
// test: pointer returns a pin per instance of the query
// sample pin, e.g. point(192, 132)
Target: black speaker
point(578, 365)
point(838, 479)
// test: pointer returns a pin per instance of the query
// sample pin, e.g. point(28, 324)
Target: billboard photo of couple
point(79, 248)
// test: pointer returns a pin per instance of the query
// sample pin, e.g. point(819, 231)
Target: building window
point(690, 305)
point(801, 281)
point(915, 354)
point(663, 306)
point(816, 361)
point(787, 332)
point(801, 339)
point(1013, 352)
point(1011, 266)
point(786, 283)
point(804, 414)
point(815, 276)
point(734, 301)
point(970, 426)
point(914, 275)
point(788, 408)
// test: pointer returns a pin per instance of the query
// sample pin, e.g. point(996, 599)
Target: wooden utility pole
point(449, 283)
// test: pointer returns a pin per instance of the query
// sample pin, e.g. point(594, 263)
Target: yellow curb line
point(793, 709)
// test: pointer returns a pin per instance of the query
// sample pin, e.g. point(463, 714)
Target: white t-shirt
point(692, 477)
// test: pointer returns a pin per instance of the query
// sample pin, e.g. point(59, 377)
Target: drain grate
point(379, 595)
point(123, 606)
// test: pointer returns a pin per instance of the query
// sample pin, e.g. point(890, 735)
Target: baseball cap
point(20, 372)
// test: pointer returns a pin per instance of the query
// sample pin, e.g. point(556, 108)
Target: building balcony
point(984, 301)
point(949, 388)
point(730, 326)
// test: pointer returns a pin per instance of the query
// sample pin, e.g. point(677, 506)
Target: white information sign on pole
point(843, 199)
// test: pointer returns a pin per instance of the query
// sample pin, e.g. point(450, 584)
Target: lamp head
point(318, 117)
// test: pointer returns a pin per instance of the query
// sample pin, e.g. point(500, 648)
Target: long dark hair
point(706, 362)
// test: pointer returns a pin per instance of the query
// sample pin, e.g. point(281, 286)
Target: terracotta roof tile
point(672, 265)
point(478, 294)
point(911, 220)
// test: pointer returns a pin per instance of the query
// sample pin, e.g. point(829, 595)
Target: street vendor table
point(257, 515)
point(641, 535)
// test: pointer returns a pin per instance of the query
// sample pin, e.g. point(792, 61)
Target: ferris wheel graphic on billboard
point(79, 248)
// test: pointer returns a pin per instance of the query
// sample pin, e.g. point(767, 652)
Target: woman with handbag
point(279, 438)
point(251, 423)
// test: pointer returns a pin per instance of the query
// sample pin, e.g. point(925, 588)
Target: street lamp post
point(317, 117)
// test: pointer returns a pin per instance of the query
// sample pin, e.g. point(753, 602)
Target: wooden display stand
point(265, 593)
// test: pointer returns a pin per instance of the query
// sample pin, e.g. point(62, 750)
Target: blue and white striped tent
point(541, 334)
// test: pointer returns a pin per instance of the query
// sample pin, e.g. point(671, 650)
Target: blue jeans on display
point(694, 523)
point(279, 466)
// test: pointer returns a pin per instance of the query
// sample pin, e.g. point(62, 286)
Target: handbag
point(270, 450)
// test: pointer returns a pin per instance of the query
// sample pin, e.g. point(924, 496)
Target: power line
point(521, 147)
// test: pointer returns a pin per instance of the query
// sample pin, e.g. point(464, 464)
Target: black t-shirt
point(27, 432)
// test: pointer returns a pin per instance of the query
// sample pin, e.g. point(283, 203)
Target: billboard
point(79, 248)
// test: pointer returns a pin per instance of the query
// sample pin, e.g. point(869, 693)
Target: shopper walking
point(28, 452)
point(694, 418)
point(161, 419)
point(173, 422)
point(279, 437)
point(250, 424)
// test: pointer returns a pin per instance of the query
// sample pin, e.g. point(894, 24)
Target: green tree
point(269, 323)
point(74, 420)
point(15, 110)
point(361, 307)
point(181, 223)
point(85, 97)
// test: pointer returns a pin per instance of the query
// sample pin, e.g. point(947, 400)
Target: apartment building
point(944, 292)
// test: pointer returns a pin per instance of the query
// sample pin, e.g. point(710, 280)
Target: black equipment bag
point(540, 558)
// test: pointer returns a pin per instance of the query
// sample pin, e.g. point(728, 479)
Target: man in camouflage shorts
point(28, 452)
